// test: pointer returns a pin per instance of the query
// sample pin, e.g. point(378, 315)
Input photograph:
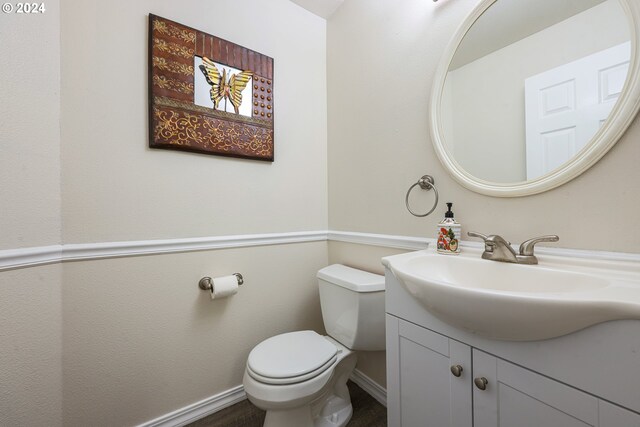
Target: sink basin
point(517, 302)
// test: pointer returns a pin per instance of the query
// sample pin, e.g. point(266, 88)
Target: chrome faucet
point(498, 249)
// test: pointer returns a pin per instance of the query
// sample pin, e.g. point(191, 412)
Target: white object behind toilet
point(352, 304)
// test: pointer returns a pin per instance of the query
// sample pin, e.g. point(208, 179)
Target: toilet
point(300, 378)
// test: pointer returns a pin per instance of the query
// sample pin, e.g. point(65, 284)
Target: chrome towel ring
point(426, 183)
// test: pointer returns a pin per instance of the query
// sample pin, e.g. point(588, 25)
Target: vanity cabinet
point(431, 378)
point(515, 396)
point(436, 381)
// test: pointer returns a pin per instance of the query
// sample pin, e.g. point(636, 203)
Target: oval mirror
point(531, 93)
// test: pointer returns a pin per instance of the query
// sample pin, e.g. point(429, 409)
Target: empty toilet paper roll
point(224, 286)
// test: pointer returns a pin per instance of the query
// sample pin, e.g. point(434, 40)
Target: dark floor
point(367, 412)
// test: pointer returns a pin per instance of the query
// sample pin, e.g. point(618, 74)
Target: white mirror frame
point(621, 116)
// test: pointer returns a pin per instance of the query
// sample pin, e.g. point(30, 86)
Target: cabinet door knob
point(456, 370)
point(481, 383)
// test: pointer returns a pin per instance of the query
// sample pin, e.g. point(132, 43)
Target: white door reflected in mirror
point(567, 105)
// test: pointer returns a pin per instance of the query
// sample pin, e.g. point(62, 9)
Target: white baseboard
point(213, 404)
point(372, 388)
point(198, 410)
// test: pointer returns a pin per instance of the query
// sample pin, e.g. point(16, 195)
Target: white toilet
point(300, 378)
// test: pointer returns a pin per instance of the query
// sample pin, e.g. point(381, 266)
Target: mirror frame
point(621, 116)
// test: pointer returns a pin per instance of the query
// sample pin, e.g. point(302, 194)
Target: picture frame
point(208, 95)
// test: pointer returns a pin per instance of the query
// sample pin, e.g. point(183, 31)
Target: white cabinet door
point(422, 390)
point(615, 416)
point(517, 397)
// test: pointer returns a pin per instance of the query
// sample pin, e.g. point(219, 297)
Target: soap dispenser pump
point(448, 236)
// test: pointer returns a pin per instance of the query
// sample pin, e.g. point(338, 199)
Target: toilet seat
point(291, 358)
point(292, 380)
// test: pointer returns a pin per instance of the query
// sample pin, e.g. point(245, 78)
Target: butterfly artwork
point(223, 88)
point(208, 95)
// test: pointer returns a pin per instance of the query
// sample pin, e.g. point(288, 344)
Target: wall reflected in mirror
point(531, 83)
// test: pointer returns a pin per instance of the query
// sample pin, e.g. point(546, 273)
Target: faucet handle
point(476, 234)
point(488, 240)
point(526, 248)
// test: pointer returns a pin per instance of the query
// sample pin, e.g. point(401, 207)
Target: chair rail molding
point(11, 259)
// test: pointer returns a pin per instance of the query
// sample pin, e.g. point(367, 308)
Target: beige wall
point(379, 144)
point(116, 188)
point(141, 339)
point(30, 299)
point(138, 329)
point(31, 349)
point(363, 257)
point(378, 149)
point(30, 135)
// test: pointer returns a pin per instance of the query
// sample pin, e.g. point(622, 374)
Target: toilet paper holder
point(206, 283)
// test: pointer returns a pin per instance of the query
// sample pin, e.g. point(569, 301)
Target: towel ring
point(426, 183)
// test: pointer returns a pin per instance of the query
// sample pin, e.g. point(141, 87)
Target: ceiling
point(518, 19)
point(322, 8)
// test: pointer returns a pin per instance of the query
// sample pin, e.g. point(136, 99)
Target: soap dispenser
point(448, 236)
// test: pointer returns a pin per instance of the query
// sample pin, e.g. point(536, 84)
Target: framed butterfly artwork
point(208, 95)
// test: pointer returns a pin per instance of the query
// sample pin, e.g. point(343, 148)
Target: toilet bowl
point(300, 378)
point(318, 398)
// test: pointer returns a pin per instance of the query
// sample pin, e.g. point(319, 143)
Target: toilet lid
point(292, 355)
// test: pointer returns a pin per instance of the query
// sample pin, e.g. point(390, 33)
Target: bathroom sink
point(518, 302)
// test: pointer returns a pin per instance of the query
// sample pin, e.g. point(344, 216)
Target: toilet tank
point(352, 304)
